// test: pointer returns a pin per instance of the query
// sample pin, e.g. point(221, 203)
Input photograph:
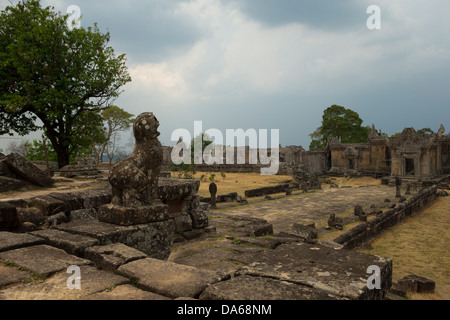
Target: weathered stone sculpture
point(398, 184)
point(213, 192)
point(134, 180)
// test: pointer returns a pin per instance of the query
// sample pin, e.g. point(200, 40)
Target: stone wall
point(370, 229)
point(445, 154)
point(267, 190)
point(316, 162)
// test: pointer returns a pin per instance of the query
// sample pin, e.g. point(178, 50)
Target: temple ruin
point(415, 157)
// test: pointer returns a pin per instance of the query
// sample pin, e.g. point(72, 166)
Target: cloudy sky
point(277, 64)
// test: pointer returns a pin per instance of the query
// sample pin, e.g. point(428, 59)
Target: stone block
point(9, 219)
point(127, 216)
point(170, 279)
point(56, 219)
point(48, 205)
point(10, 276)
point(71, 243)
point(414, 283)
point(255, 228)
point(42, 259)
point(199, 218)
point(112, 256)
point(338, 272)
point(33, 215)
point(183, 223)
point(172, 190)
point(83, 214)
point(266, 191)
point(125, 292)
point(260, 242)
point(70, 200)
point(55, 288)
point(11, 241)
point(154, 239)
point(9, 184)
point(239, 226)
point(258, 288)
point(84, 167)
point(307, 232)
point(27, 170)
point(94, 198)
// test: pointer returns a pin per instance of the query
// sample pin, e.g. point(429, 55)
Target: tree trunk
point(62, 151)
point(63, 155)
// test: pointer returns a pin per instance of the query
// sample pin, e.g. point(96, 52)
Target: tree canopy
point(339, 122)
point(62, 77)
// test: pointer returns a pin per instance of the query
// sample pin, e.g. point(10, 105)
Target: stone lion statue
point(134, 180)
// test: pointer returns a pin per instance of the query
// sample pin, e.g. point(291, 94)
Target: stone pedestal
point(126, 216)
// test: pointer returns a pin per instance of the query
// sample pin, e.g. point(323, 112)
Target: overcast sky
point(278, 64)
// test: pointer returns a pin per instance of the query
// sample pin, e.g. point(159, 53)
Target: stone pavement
point(245, 264)
point(316, 206)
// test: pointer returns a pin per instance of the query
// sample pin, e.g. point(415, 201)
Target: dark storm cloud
point(147, 31)
point(320, 14)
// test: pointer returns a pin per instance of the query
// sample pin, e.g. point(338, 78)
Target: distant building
point(412, 156)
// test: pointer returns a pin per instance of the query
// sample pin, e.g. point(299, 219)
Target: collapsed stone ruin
point(419, 159)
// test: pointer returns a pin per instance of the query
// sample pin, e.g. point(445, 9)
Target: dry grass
point(419, 245)
point(356, 182)
point(235, 182)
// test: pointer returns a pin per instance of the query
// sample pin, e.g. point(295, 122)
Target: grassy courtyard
point(419, 245)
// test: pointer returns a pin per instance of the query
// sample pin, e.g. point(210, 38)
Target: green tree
point(339, 122)
point(36, 152)
point(420, 131)
point(317, 142)
point(114, 120)
point(201, 141)
point(425, 131)
point(62, 77)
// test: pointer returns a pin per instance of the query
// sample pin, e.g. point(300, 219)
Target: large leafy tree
point(339, 122)
point(62, 77)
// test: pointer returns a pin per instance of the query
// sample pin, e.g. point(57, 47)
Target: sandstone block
point(112, 256)
point(414, 283)
point(11, 241)
point(71, 243)
point(170, 279)
point(127, 216)
point(259, 288)
point(42, 259)
point(27, 170)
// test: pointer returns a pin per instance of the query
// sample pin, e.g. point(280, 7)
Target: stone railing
point(370, 229)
